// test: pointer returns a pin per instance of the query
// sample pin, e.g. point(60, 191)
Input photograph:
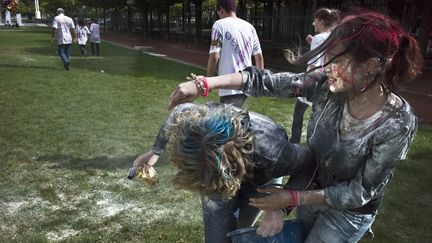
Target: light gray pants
point(324, 224)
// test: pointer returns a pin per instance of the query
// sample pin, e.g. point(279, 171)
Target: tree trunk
point(184, 15)
point(268, 9)
point(151, 22)
point(198, 20)
point(242, 9)
point(184, 22)
point(104, 18)
point(425, 28)
point(129, 18)
point(167, 19)
point(255, 13)
point(144, 10)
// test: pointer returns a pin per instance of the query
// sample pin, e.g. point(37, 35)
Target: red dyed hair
point(375, 35)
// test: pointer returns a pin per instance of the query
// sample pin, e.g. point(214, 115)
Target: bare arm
point(53, 35)
point(212, 63)
point(281, 198)
point(259, 61)
point(74, 36)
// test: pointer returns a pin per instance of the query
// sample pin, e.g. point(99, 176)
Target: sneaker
point(66, 67)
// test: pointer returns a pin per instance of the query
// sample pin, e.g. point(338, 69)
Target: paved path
point(418, 93)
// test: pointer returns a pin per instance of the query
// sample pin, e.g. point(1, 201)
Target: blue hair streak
point(219, 130)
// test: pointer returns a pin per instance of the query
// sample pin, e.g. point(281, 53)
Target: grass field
point(67, 140)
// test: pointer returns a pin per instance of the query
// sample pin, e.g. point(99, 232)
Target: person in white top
point(324, 20)
point(95, 38)
point(64, 28)
point(82, 31)
point(233, 43)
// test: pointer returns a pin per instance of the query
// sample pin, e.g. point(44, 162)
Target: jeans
point(237, 100)
point(95, 48)
point(324, 224)
point(223, 216)
point(83, 50)
point(297, 124)
point(64, 53)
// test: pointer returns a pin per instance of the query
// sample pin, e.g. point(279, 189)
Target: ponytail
point(405, 64)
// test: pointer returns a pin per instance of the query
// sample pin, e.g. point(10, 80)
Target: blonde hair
point(211, 150)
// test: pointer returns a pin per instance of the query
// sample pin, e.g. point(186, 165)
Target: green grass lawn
point(67, 140)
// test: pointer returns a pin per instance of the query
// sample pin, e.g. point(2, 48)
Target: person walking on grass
point(63, 26)
point(233, 43)
point(95, 37)
point(82, 32)
point(324, 20)
point(360, 128)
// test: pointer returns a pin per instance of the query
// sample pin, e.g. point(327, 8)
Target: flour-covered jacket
point(273, 155)
point(354, 167)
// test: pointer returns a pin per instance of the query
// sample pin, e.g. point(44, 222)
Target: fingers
point(147, 168)
point(141, 160)
point(260, 203)
point(153, 160)
point(271, 224)
point(138, 162)
point(178, 98)
point(185, 92)
point(174, 98)
point(268, 190)
point(264, 231)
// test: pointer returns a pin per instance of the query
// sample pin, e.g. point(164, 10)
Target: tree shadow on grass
point(120, 61)
point(107, 50)
point(99, 162)
point(28, 66)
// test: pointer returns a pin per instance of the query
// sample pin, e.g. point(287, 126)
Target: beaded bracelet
point(204, 84)
point(200, 86)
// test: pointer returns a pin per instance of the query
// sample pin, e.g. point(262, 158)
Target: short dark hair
point(330, 17)
point(227, 5)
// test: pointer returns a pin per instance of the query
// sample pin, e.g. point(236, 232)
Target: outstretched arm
point(187, 91)
point(254, 82)
point(150, 158)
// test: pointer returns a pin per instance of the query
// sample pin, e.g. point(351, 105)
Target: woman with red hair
point(359, 130)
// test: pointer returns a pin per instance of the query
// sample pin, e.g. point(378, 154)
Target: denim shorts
point(324, 224)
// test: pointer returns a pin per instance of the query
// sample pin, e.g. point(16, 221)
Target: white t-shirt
point(237, 41)
point(95, 35)
point(63, 24)
point(316, 41)
point(82, 32)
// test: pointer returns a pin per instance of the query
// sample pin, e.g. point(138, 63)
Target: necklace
point(348, 121)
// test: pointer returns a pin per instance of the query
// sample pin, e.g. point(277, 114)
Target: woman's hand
point(271, 223)
point(185, 92)
point(309, 39)
point(146, 160)
point(277, 199)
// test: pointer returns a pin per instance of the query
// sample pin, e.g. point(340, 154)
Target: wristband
point(205, 84)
